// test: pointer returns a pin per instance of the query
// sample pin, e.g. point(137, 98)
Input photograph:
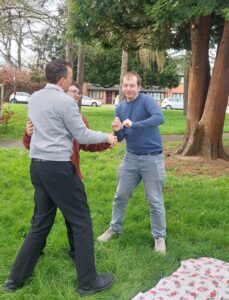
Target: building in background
point(107, 95)
point(177, 92)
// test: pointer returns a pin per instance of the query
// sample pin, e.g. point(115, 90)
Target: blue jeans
point(150, 169)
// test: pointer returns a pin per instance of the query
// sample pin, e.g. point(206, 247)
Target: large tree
point(207, 98)
point(208, 91)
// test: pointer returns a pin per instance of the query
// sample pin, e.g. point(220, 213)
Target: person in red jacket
point(74, 92)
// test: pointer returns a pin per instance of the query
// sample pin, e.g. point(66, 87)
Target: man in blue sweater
point(137, 120)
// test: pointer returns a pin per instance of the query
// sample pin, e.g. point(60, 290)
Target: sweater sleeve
point(93, 147)
point(26, 140)
point(120, 133)
point(156, 116)
point(78, 129)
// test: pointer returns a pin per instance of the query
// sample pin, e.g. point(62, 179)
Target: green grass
point(100, 118)
point(197, 225)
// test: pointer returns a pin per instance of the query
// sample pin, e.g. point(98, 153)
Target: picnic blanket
point(205, 278)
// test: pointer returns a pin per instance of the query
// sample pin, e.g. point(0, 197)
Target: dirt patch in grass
point(194, 165)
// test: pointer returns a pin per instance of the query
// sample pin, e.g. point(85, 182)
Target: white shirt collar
point(54, 86)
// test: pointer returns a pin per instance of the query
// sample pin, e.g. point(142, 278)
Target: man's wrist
point(117, 132)
point(134, 125)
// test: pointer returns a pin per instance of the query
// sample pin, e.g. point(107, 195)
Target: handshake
point(118, 125)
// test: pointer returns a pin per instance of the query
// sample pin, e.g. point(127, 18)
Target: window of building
point(178, 95)
point(96, 94)
point(181, 79)
point(157, 96)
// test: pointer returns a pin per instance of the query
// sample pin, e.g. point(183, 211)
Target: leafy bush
point(6, 117)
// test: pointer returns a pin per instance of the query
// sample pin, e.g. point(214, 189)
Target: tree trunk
point(198, 82)
point(124, 68)
point(187, 65)
point(205, 136)
point(80, 70)
point(7, 42)
point(212, 121)
point(80, 65)
point(19, 48)
point(69, 47)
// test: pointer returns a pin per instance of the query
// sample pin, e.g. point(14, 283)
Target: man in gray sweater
point(57, 122)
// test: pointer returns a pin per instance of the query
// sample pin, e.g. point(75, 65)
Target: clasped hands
point(118, 125)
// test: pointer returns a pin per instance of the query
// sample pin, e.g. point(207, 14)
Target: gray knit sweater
point(57, 122)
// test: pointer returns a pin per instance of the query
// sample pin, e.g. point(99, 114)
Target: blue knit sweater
point(144, 136)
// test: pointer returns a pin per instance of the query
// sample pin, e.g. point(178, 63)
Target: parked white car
point(88, 101)
point(116, 101)
point(172, 103)
point(20, 97)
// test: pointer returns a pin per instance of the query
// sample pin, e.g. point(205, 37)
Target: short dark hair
point(56, 69)
point(135, 74)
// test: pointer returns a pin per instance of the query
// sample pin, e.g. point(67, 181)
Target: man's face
point(130, 87)
point(74, 92)
point(66, 82)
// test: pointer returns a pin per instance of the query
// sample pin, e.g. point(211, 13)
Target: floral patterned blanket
point(197, 279)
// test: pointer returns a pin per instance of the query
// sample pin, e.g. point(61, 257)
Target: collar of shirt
point(53, 86)
point(129, 101)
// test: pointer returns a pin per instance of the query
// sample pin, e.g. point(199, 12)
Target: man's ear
point(61, 82)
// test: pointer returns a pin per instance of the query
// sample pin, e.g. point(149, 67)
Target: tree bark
point(80, 65)
point(80, 70)
point(69, 51)
point(69, 47)
point(212, 121)
point(19, 46)
point(198, 82)
point(187, 64)
point(124, 68)
point(206, 118)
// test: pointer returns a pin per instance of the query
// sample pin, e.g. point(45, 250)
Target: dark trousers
point(69, 234)
point(57, 185)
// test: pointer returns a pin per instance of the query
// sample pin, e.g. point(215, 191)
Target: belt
point(46, 160)
point(151, 153)
point(39, 160)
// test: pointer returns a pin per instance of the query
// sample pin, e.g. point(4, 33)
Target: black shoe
point(101, 283)
point(10, 286)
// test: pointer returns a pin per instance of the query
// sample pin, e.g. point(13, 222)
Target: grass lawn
point(99, 118)
point(197, 221)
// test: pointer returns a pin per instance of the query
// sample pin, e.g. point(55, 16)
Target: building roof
point(98, 87)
